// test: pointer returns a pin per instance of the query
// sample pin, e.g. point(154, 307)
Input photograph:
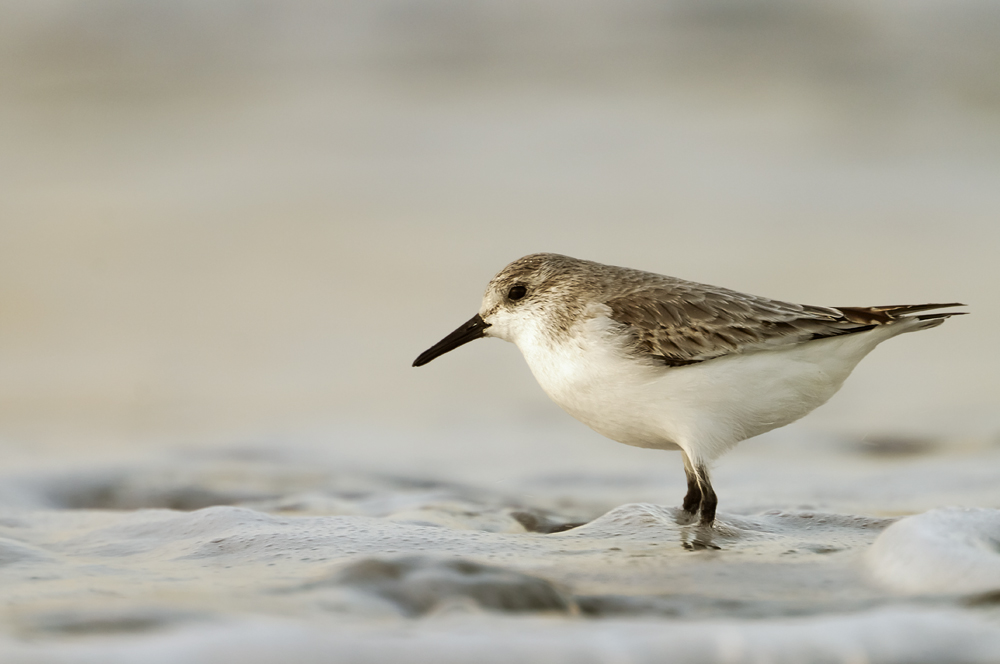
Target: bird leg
point(708, 498)
point(692, 500)
point(700, 494)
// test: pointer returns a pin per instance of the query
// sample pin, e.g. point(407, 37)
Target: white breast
point(594, 380)
point(704, 408)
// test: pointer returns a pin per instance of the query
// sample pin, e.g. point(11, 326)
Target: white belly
point(704, 408)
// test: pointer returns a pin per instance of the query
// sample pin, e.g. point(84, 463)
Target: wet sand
point(270, 553)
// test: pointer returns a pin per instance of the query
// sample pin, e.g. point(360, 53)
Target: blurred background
point(226, 221)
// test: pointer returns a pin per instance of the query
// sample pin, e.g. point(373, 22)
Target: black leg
point(692, 500)
point(709, 500)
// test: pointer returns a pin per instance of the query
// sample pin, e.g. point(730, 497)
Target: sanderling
point(653, 361)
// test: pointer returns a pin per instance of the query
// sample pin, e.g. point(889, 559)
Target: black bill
point(473, 329)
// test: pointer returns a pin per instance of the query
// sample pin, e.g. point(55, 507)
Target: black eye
point(517, 292)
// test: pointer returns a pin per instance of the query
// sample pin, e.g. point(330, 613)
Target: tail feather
point(946, 314)
point(904, 309)
point(888, 314)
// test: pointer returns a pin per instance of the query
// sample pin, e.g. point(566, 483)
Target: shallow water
point(270, 553)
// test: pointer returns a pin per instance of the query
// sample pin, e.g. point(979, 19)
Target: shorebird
point(659, 362)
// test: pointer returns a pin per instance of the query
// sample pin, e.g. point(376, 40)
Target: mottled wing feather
point(684, 323)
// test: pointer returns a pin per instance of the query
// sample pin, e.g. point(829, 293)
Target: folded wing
point(681, 323)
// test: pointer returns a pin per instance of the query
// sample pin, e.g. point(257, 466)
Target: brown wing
point(683, 322)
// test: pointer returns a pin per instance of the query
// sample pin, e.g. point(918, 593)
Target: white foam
point(952, 551)
point(88, 576)
point(873, 637)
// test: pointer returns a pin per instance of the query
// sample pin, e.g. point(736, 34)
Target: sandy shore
point(267, 553)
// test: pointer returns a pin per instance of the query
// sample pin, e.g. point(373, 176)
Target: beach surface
point(824, 550)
